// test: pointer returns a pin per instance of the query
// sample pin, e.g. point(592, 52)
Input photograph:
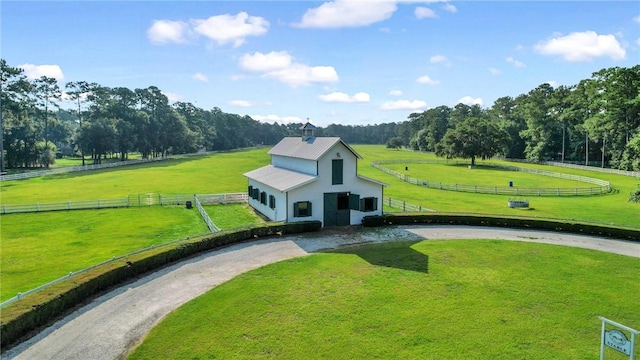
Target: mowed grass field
point(472, 299)
point(116, 232)
point(613, 208)
point(41, 247)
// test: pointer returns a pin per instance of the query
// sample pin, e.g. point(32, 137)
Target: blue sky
point(345, 62)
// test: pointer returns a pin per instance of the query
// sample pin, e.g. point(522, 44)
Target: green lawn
point(27, 238)
point(611, 208)
point(479, 299)
point(41, 247)
point(211, 174)
point(482, 175)
point(228, 216)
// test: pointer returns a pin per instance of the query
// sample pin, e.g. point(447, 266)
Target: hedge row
point(20, 320)
point(487, 220)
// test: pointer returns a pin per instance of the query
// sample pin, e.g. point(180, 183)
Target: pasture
point(53, 244)
point(41, 247)
point(473, 299)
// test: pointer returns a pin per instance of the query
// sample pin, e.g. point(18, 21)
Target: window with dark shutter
point(336, 172)
point(302, 209)
point(369, 204)
point(272, 201)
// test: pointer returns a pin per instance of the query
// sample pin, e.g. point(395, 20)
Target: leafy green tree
point(46, 154)
point(631, 155)
point(473, 138)
point(543, 130)
point(14, 99)
point(395, 143)
point(46, 92)
point(507, 113)
point(78, 92)
point(100, 136)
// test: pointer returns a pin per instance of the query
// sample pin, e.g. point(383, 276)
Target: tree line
point(101, 121)
point(596, 120)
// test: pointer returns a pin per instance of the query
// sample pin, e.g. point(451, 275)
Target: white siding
point(280, 211)
point(315, 191)
point(301, 165)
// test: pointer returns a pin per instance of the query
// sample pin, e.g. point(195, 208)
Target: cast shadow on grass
point(398, 255)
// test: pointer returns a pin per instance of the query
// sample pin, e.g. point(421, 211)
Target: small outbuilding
point(314, 178)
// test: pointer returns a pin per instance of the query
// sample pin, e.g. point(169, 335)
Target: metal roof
point(310, 149)
point(280, 179)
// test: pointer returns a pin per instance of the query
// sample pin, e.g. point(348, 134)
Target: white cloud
point(300, 74)
point(279, 65)
point(582, 46)
point(440, 59)
point(427, 80)
point(347, 13)
point(468, 100)
point(226, 28)
point(276, 119)
point(223, 29)
point(404, 105)
point(173, 97)
point(395, 92)
point(638, 41)
point(341, 97)
point(637, 19)
point(240, 103)
point(450, 8)
point(516, 63)
point(554, 84)
point(275, 60)
point(200, 77)
point(424, 13)
point(494, 71)
point(33, 72)
point(165, 31)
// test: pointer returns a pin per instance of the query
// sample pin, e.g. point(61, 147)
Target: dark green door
point(336, 209)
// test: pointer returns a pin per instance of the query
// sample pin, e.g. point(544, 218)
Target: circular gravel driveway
point(113, 324)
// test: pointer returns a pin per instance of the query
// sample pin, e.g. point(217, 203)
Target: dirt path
point(113, 324)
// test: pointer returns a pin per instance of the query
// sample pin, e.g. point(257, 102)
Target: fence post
point(4, 207)
point(98, 203)
point(37, 206)
point(68, 205)
point(404, 205)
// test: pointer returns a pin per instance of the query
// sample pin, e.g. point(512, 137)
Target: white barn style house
point(314, 178)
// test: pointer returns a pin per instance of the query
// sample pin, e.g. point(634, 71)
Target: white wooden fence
point(129, 201)
point(603, 188)
point(404, 206)
point(62, 170)
point(581, 167)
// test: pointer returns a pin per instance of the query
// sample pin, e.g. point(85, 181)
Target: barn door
point(336, 209)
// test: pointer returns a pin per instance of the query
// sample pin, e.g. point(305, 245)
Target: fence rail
point(580, 167)
point(74, 273)
point(404, 206)
point(129, 201)
point(62, 170)
point(212, 227)
point(603, 188)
